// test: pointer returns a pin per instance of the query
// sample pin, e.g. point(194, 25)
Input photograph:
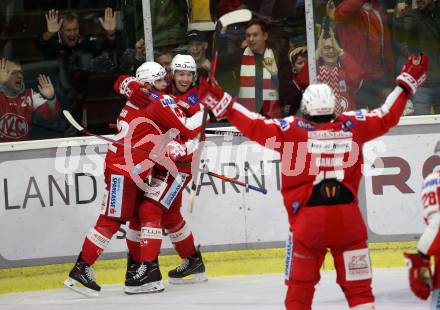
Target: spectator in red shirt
point(362, 29)
point(18, 104)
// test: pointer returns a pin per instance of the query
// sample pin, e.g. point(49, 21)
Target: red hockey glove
point(175, 151)
point(131, 89)
point(420, 275)
point(413, 73)
point(214, 98)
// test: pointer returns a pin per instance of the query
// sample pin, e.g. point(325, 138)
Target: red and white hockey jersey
point(429, 243)
point(311, 153)
point(144, 132)
point(16, 114)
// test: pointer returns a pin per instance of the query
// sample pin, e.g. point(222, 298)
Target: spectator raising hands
point(19, 104)
point(3, 73)
point(53, 23)
point(45, 86)
point(109, 21)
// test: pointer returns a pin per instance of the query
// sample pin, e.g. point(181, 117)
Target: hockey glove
point(131, 89)
point(413, 73)
point(175, 151)
point(420, 275)
point(214, 98)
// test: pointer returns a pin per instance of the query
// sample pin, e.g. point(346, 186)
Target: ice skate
point(192, 270)
point(132, 266)
point(147, 279)
point(83, 274)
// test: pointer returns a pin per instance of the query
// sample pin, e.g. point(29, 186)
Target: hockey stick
point(234, 181)
point(81, 129)
point(234, 17)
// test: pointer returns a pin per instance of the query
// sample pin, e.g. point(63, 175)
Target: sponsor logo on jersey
point(359, 115)
point(167, 100)
point(192, 99)
point(288, 261)
point(174, 190)
point(13, 126)
point(357, 265)
point(154, 95)
point(431, 183)
point(115, 195)
point(282, 123)
point(151, 233)
point(329, 142)
point(98, 239)
point(347, 125)
point(324, 134)
point(300, 123)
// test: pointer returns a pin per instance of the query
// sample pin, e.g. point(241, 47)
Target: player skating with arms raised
point(321, 159)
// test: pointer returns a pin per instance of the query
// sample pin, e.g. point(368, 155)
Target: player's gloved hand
point(214, 98)
point(175, 151)
point(131, 89)
point(413, 73)
point(420, 275)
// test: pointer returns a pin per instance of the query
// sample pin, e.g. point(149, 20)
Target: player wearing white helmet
point(144, 249)
point(321, 160)
point(421, 279)
point(184, 72)
point(318, 101)
point(153, 74)
point(147, 125)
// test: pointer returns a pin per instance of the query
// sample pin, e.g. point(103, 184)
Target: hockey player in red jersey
point(163, 198)
point(18, 104)
point(321, 159)
point(421, 279)
point(144, 139)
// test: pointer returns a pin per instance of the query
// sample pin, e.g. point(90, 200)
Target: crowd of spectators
point(80, 50)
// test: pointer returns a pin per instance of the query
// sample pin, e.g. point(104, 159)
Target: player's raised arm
point(382, 119)
point(253, 125)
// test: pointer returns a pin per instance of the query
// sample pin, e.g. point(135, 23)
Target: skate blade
point(82, 290)
point(149, 288)
point(191, 279)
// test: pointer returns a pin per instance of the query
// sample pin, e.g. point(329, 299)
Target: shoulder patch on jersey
point(282, 123)
point(430, 182)
point(192, 99)
point(167, 100)
point(154, 95)
point(302, 123)
point(360, 115)
point(347, 125)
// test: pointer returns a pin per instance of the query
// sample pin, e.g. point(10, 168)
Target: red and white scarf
point(271, 103)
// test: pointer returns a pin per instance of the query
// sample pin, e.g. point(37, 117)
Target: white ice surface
point(244, 292)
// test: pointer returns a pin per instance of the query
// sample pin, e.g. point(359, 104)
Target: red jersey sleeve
point(265, 131)
point(169, 115)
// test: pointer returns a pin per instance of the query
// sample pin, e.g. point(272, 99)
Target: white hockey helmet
point(149, 72)
point(317, 100)
point(184, 63)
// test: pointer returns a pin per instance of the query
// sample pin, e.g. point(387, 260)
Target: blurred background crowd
point(57, 55)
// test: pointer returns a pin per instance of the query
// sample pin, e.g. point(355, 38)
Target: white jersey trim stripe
point(133, 235)
point(98, 239)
